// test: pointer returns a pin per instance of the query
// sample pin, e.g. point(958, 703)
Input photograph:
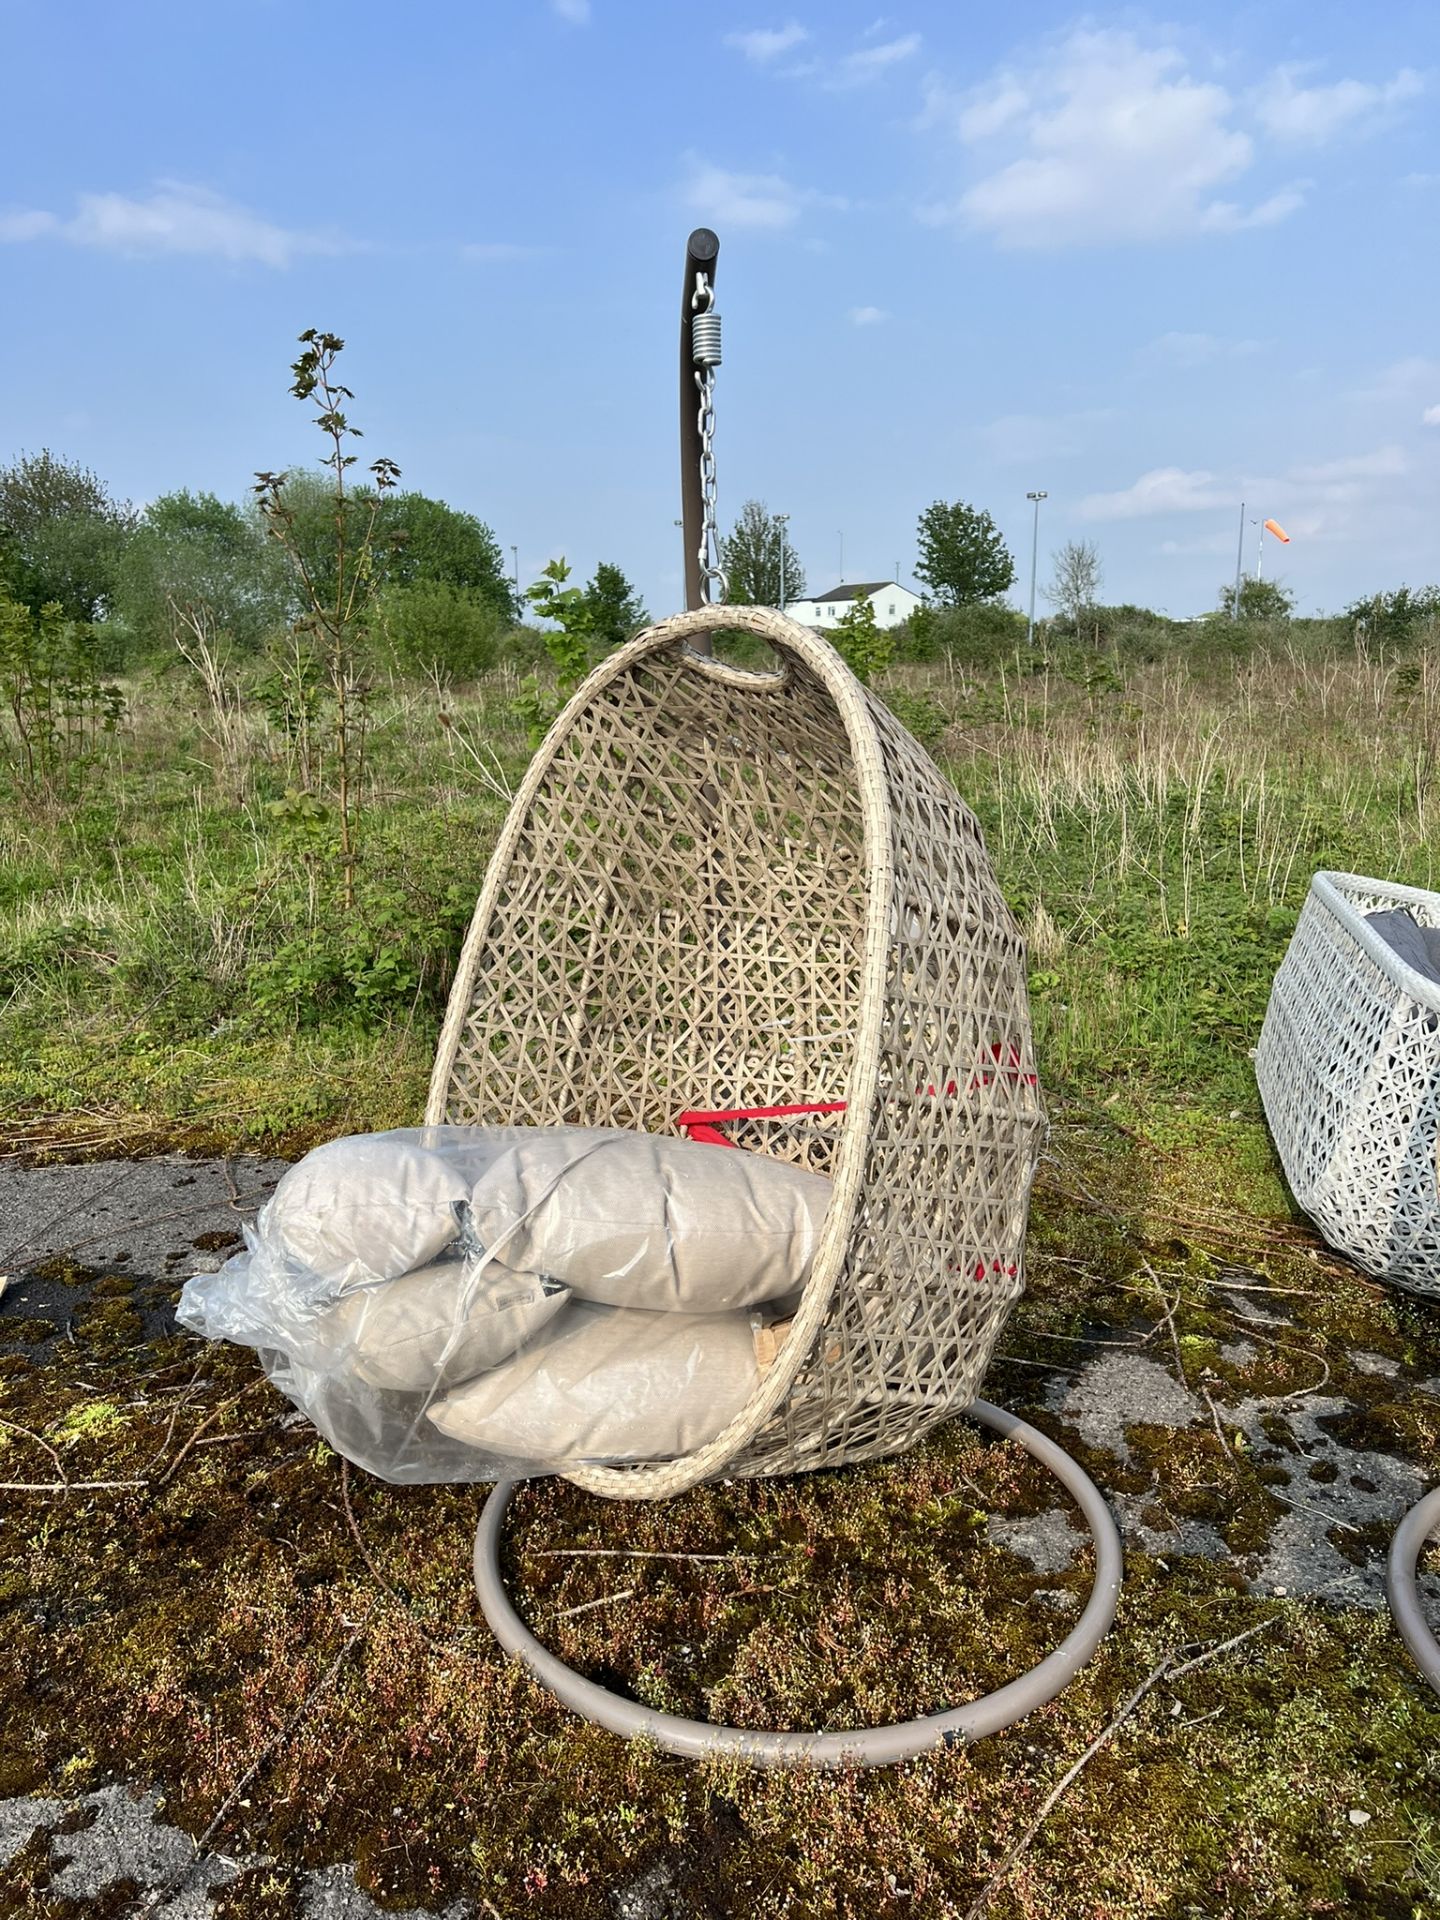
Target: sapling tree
point(337, 597)
point(55, 702)
point(760, 564)
point(576, 616)
point(864, 646)
point(1075, 583)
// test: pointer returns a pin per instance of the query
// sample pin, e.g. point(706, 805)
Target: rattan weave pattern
point(1349, 1071)
point(719, 888)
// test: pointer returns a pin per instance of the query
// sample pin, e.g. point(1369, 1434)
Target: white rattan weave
point(1349, 1073)
point(722, 889)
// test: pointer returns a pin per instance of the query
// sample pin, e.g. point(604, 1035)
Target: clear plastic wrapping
point(466, 1304)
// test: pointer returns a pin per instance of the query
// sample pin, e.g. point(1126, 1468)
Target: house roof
point(856, 590)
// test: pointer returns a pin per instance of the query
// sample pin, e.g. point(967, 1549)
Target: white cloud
point(833, 73)
point(1313, 115)
point(867, 63)
point(576, 12)
point(1431, 417)
point(1190, 350)
point(867, 316)
point(1110, 137)
point(1298, 495)
point(1381, 464)
point(1162, 490)
point(764, 201)
point(763, 44)
point(26, 226)
point(1400, 387)
point(174, 219)
point(1118, 142)
point(1223, 216)
point(1024, 439)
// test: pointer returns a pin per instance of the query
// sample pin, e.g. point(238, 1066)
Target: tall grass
point(166, 946)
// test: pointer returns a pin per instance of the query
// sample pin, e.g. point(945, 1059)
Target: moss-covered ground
point(246, 1617)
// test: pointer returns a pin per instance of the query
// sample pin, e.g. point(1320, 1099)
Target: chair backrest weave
point(719, 889)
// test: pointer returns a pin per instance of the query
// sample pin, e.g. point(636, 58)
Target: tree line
point(139, 576)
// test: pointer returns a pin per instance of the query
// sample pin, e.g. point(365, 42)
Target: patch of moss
point(166, 1634)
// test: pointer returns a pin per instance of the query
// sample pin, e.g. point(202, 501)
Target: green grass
point(173, 971)
point(173, 961)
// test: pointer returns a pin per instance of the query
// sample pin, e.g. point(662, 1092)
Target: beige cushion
point(609, 1384)
point(634, 1220)
point(364, 1209)
point(444, 1323)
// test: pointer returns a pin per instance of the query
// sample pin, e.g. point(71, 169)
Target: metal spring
point(705, 339)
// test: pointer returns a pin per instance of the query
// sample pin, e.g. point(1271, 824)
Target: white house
point(892, 603)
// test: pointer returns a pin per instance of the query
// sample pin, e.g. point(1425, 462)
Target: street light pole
point(515, 559)
point(783, 521)
point(1034, 557)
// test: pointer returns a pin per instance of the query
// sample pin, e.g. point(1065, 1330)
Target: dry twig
point(605, 1600)
point(1167, 1669)
point(158, 1895)
point(632, 1553)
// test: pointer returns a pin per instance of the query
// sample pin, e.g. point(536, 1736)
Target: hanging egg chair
point(749, 897)
point(721, 889)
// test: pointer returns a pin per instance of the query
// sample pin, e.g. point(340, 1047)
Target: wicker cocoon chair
point(1349, 1072)
point(722, 888)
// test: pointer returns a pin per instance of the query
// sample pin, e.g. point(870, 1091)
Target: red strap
point(705, 1127)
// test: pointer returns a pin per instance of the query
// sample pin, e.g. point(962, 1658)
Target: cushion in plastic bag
point(609, 1384)
point(636, 1220)
point(444, 1323)
point(364, 1209)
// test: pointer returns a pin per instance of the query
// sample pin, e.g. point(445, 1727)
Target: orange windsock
point(1274, 526)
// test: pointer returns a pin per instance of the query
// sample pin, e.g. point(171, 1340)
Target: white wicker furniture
point(1349, 1073)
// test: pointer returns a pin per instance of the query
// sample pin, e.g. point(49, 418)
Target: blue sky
point(1151, 266)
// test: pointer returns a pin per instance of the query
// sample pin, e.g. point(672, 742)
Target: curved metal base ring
point(864, 1746)
point(1401, 1591)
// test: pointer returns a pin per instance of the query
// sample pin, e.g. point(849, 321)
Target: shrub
point(1397, 619)
point(55, 708)
point(975, 635)
point(434, 628)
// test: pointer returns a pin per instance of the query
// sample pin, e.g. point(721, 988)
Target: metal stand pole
point(1401, 1591)
point(861, 1746)
point(1034, 560)
point(702, 252)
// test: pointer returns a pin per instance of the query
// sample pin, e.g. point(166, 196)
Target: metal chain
point(705, 350)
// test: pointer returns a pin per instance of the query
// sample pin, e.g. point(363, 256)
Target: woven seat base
point(1402, 1591)
point(860, 1747)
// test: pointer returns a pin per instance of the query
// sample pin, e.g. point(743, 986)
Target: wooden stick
point(1168, 1310)
point(633, 1553)
point(605, 1600)
point(14, 1426)
point(67, 1486)
point(209, 1421)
